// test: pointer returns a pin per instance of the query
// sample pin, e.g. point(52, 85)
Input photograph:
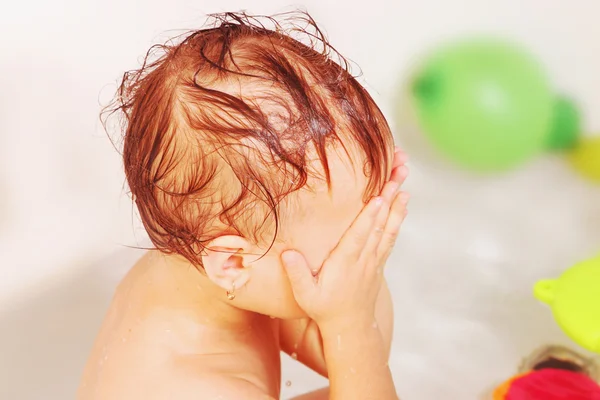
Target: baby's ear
point(225, 260)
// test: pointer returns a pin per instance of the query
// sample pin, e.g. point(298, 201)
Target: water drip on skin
point(294, 355)
point(101, 362)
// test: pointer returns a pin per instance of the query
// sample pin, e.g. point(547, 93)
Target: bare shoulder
point(154, 345)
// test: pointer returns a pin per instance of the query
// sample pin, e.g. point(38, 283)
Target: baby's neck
point(196, 292)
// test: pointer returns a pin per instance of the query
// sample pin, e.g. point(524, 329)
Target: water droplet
point(272, 317)
point(294, 355)
point(339, 342)
point(375, 325)
point(123, 339)
point(352, 371)
point(105, 358)
point(288, 383)
point(168, 330)
point(295, 346)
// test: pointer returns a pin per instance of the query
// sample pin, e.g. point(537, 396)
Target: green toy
point(488, 105)
point(575, 302)
point(566, 125)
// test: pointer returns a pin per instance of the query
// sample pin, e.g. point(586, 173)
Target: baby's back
point(161, 340)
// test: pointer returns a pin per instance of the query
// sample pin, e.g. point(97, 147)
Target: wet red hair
point(218, 127)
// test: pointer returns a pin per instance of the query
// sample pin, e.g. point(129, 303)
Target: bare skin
point(165, 336)
point(156, 337)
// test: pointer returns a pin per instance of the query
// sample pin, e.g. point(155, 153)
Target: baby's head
point(244, 140)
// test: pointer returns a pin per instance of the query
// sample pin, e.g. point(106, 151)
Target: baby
point(267, 179)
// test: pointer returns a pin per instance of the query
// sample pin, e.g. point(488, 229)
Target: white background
point(471, 249)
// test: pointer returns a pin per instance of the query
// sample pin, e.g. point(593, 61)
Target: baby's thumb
point(298, 273)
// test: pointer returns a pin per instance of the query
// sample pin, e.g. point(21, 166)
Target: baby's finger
point(392, 227)
point(389, 193)
point(299, 275)
point(399, 174)
point(392, 187)
point(400, 158)
point(353, 241)
point(370, 249)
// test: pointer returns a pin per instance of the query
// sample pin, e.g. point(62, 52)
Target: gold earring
point(231, 293)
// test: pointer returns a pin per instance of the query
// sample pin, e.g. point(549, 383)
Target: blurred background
point(475, 242)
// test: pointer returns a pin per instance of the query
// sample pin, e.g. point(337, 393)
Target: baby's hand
point(346, 287)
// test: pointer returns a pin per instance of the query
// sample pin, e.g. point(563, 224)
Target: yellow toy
point(575, 301)
point(585, 158)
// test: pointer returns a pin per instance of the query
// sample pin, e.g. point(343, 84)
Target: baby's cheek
point(316, 229)
point(316, 241)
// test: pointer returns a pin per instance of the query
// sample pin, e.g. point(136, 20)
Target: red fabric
point(553, 384)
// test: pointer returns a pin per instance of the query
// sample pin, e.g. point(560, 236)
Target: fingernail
point(401, 153)
point(404, 171)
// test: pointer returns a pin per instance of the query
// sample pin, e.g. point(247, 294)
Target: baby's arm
point(302, 336)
